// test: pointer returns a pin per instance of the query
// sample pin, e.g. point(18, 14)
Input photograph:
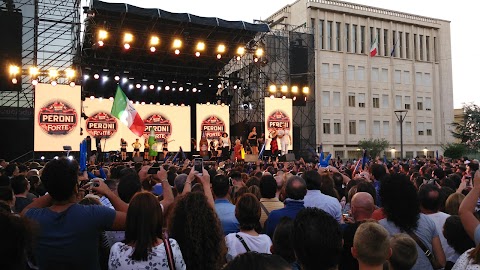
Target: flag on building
point(126, 113)
point(374, 48)
point(392, 53)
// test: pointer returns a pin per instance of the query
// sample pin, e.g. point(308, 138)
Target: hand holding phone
point(198, 166)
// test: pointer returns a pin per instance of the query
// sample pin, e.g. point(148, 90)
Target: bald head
point(362, 206)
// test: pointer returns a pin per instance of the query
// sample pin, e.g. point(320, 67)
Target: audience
point(269, 201)
point(223, 207)
point(315, 198)
point(20, 186)
point(257, 261)
point(404, 252)
point(371, 246)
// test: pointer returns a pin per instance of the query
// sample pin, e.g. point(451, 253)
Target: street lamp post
point(401, 114)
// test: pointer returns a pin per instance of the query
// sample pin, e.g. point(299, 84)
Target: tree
point(454, 150)
point(468, 129)
point(374, 146)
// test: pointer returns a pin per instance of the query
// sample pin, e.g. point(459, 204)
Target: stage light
point(116, 78)
point(241, 50)
point(272, 96)
point(54, 83)
point(219, 85)
point(235, 86)
point(171, 104)
point(294, 98)
point(152, 87)
point(199, 90)
point(100, 98)
point(42, 158)
point(102, 34)
point(138, 85)
point(86, 77)
point(158, 103)
point(305, 90)
point(177, 44)
point(14, 70)
point(154, 41)
point(284, 97)
point(223, 104)
point(180, 89)
point(92, 97)
point(101, 43)
point(33, 71)
point(221, 48)
point(34, 81)
point(72, 84)
point(55, 157)
point(143, 103)
point(167, 87)
point(105, 78)
point(14, 81)
point(208, 103)
point(53, 73)
point(137, 102)
point(272, 88)
point(124, 80)
point(219, 56)
point(126, 46)
point(69, 73)
point(130, 86)
point(284, 89)
point(127, 38)
point(200, 46)
point(194, 90)
point(197, 54)
point(238, 58)
point(96, 76)
point(159, 88)
point(177, 51)
point(111, 98)
point(294, 89)
point(144, 87)
point(153, 49)
point(259, 52)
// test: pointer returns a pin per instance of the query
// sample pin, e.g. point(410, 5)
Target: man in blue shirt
point(224, 208)
point(315, 198)
point(295, 192)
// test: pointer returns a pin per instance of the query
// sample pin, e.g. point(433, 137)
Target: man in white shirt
point(315, 198)
point(285, 139)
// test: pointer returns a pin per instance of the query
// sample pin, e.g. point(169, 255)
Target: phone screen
point(198, 165)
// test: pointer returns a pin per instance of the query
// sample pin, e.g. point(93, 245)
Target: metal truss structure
point(275, 68)
point(51, 32)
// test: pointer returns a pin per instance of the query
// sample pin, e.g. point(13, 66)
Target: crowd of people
point(399, 214)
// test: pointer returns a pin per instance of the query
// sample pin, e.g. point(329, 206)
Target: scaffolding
point(50, 40)
point(275, 67)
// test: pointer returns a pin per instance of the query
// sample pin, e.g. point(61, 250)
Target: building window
point(329, 35)
point(374, 74)
point(376, 101)
point(427, 44)
point(429, 128)
point(398, 102)
point(362, 127)
point(336, 99)
point(360, 73)
point(372, 35)
point(325, 70)
point(338, 37)
point(336, 71)
point(362, 39)
point(347, 37)
point(400, 44)
point(407, 45)
point(326, 126)
point(408, 128)
point(386, 128)
point(351, 99)
point(385, 102)
point(435, 55)
point(419, 103)
point(398, 76)
point(406, 77)
point(361, 100)
point(427, 79)
point(428, 104)
point(415, 46)
point(326, 99)
point(337, 128)
point(407, 103)
point(354, 38)
point(376, 127)
point(420, 128)
point(351, 73)
point(320, 34)
point(385, 42)
point(420, 44)
point(418, 78)
point(352, 127)
point(384, 75)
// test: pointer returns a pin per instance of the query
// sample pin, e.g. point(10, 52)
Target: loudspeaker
point(287, 157)
point(251, 158)
point(137, 159)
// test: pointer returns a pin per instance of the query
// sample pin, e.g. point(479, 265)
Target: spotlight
point(111, 98)
point(241, 50)
point(284, 97)
point(53, 74)
point(127, 39)
point(159, 88)
point(208, 103)
point(86, 77)
point(177, 51)
point(259, 52)
point(197, 54)
point(34, 81)
point(92, 97)
point(177, 43)
point(219, 56)
point(33, 71)
point(124, 80)
point(194, 90)
point(284, 89)
point(167, 87)
point(70, 157)
point(238, 58)
point(153, 49)
point(136, 102)
point(144, 87)
point(219, 86)
point(152, 87)
point(72, 84)
point(117, 78)
point(138, 85)
point(294, 89)
point(272, 88)
point(294, 98)
point(102, 34)
point(100, 98)
point(42, 158)
point(101, 43)
point(105, 78)
point(55, 157)
point(180, 89)
point(54, 83)
point(200, 46)
point(70, 73)
point(14, 81)
point(255, 59)
point(154, 41)
point(143, 103)
point(272, 96)
point(126, 46)
point(130, 86)
point(235, 86)
point(96, 76)
point(171, 104)
point(305, 90)
point(221, 48)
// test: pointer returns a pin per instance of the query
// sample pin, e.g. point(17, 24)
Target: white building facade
point(356, 95)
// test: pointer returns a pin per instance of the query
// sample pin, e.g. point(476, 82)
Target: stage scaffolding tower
point(50, 40)
point(275, 67)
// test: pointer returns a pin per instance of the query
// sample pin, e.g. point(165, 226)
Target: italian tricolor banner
point(125, 112)
point(374, 48)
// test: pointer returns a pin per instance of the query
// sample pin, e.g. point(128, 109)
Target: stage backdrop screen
point(278, 112)
point(212, 120)
point(57, 116)
point(168, 122)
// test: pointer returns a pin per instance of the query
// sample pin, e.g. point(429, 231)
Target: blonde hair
point(372, 243)
point(453, 203)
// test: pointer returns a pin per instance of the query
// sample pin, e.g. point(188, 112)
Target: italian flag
point(126, 113)
point(374, 48)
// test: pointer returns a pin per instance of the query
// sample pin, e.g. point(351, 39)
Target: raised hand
point(324, 162)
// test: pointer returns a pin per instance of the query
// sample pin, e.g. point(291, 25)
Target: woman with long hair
point(252, 140)
point(402, 210)
point(144, 245)
point(196, 227)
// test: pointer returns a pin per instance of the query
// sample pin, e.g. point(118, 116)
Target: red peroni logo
point(57, 118)
point(213, 127)
point(278, 120)
point(159, 124)
point(101, 124)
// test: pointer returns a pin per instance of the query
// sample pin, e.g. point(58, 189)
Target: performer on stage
point(274, 143)
point(237, 150)
point(165, 147)
point(285, 139)
point(146, 149)
point(136, 148)
point(252, 141)
point(226, 146)
point(261, 140)
point(123, 149)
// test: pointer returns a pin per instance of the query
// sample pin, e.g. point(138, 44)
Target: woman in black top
point(252, 140)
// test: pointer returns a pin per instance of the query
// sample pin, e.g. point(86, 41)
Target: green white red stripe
point(374, 48)
point(125, 112)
